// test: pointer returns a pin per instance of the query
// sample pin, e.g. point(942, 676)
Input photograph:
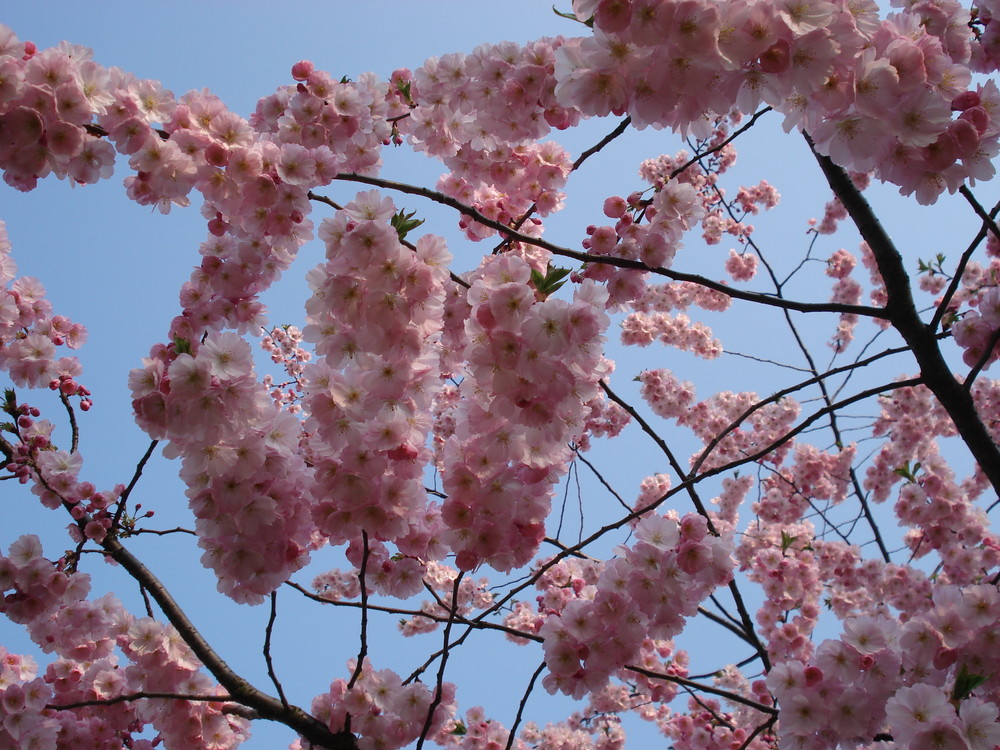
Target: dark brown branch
point(757, 730)
point(764, 299)
point(602, 143)
point(163, 532)
point(445, 652)
point(736, 698)
point(74, 427)
point(524, 702)
point(240, 689)
point(131, 485)
point(129, 697)
point(989, 225)
point(268, 631)
point(903, 315)
point(363, 649)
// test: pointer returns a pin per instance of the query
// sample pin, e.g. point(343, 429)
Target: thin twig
point(602, 480)
point(736, 133)
point(989, 225)
point(735, 697)
point(267, 648)
point(132, 482)
point(521, 705)
point(764, 299)
point(363, 649)
point(445, 651)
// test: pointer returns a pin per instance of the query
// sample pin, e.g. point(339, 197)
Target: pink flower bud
point(965, 100)
point(302, 70)
point(217, 155)
point(615, 207)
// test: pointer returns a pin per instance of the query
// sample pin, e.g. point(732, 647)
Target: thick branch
point(239, 689)
point(902, 313)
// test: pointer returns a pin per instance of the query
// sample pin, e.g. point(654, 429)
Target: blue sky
point(117, 267)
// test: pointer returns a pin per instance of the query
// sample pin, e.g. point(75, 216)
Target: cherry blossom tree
point(427, 418)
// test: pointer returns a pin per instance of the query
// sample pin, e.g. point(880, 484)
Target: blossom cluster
point(30, 334)
point(673, 209)
point(976, 331)
point(240, 459)
point(86, 635)
point(875, 95)
point(645, 592)
point(721, 421)
point(534, 364)
point(497, 164)
point(384, 711)
point(912, 680)
point(375, 318)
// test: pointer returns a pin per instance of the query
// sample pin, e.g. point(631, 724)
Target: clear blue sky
point(117, 267)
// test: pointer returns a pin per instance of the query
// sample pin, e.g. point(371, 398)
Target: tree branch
point(902, 313)
point(239, 688)
point(764, 299)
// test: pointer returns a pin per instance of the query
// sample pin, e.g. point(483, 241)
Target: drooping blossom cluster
point(533, 366)
point(846, 291)
point(240, 459)
point(493, 151)
point(653, 317)
point(645, 592)
point(375, 319)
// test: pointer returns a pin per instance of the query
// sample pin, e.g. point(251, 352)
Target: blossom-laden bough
point(497, 380)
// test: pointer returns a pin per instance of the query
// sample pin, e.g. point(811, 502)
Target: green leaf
point(787, 540)
point(965, 683)
point(403, 222)
point(906, 472)
point(459, 730)
point(403, 87)
point(183, 346)
point(551, 282)
point(572, 17)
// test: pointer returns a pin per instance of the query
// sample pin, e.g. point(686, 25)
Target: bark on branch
point(240, 690)
point(902, 313)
